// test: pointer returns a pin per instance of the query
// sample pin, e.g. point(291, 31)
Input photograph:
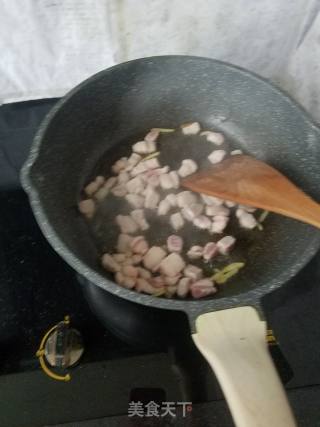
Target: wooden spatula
point(246, 180)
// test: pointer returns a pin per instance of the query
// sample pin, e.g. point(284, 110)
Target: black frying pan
point(95, 124)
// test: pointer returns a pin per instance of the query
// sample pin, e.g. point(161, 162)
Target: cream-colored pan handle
point(234, 343)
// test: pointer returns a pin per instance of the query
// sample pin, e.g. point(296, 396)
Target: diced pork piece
point(130, 271)
point(247, 220)
point(123, 244)
point(152, 176)
point(158, 282)
point(164, 207)
point(202, 288)
point(183, 287)
point(219, 223)
point(172, 199)
point(170, 291)
point(172, 265)
point(145, 274)
point(109, 263)
point(171, 281)
point(135, 200)
point(139, 245)
point(192, 211)
point(102, 193)
point(164, 169)
point(152, 163)
point(211, 200)
point(123, 177)
point(87, 208)
point(119, 277)
point(119, 190)
point(236, 152)
point(165, 181)
point(139, 169)
point(152, 198)
point(174, 243)
point(222, 218)
point(153, 181)
point(217, 156)
point(111, 182)
point(94, 186)
point(144, 147)
point(120, 165)
point(190, 128)
point(120, 258)
point(153, 257)
point(138, 216)
point(135, 185)
point(127, 224)
point(158, 171)
point(240, 212)
point(186, 198)
point(210, 251)
point(134, 159)
point(215, 137)
point(169, 180)
point(176, 221)
point(128, 261)
point(148, 174)
point(188, 167)
point(136, 259)
point(230, 204)
point(195, 252)
point(202, 222)
point(152, 135)
point(144, 285)
point(128, 282)
point(217, 210)
point(125, 281)
point(226, 244)
point(100, 180)
point(192, 271)
point(246, 208)
point(175, 179)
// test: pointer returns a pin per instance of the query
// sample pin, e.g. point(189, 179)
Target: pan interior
point(99, 122)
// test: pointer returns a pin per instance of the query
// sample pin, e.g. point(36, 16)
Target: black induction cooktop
point(37, 289)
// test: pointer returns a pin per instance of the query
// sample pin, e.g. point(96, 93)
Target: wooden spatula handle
point(234, 343)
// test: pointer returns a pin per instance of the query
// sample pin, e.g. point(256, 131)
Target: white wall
point(64, 41)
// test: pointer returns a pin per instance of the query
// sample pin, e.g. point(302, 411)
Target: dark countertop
point(305, 404)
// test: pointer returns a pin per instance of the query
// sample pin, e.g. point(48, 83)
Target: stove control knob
point(64, 346)
point(61, 347)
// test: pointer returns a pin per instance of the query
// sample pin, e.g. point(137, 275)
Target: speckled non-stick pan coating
point(97, 122)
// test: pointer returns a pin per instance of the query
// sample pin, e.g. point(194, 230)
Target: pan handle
point(234, 343)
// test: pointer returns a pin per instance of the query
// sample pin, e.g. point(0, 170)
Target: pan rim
point(192, 307)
